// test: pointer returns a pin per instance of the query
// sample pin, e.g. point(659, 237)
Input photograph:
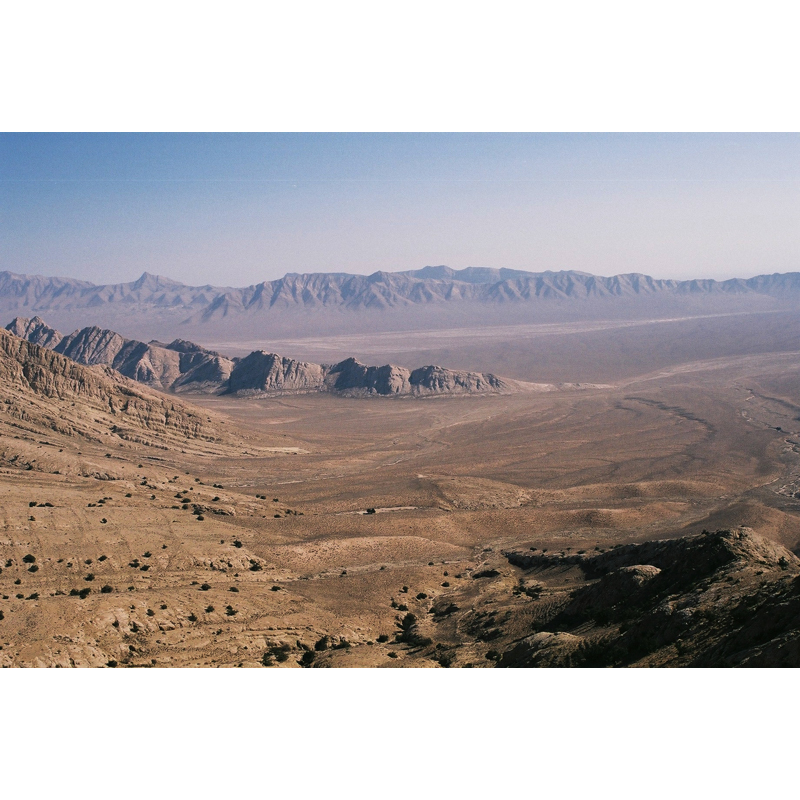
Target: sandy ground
point(256, 551)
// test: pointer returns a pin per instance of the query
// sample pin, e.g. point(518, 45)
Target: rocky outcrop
point(435, 380)
point(269, 373)
point(723, 598)
point(263, 372)
point(352, 377)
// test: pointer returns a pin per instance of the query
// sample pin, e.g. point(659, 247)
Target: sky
point(236, 209)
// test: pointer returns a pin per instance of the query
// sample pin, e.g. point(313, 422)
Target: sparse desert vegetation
point(460, 532)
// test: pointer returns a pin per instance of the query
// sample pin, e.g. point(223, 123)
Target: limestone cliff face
point(268, 372)
point(436, 380)
point(352, 377)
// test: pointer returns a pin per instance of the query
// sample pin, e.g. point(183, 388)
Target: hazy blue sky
point(235, 209)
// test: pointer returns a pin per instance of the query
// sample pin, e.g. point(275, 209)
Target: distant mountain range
point(381, 290)
point(324, 301)
point(182, 366)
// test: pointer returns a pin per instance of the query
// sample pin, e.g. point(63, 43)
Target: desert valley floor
point(318, 530)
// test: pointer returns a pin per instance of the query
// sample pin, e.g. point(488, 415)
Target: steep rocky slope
point(42, 391)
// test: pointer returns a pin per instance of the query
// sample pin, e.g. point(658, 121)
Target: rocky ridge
point(182, 366)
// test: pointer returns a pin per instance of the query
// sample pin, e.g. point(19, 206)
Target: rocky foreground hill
point(723, 598)
point(182, 366)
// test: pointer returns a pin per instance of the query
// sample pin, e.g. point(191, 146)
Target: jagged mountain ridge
point(381, 290)
point(185, 366)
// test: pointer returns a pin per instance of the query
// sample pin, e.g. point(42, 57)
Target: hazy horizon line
point(147, 273)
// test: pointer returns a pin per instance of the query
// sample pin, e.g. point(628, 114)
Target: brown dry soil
point(306, 529)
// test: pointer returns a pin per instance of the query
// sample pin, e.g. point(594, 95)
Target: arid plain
point(319, 530)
